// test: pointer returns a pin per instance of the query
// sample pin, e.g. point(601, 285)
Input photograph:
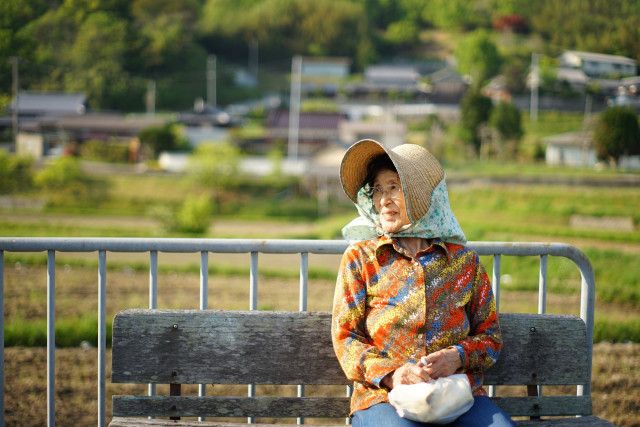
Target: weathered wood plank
point(215, 406)
point(144, 422)
point(541, 349)
point(589, 421)
point(553, 406)
point(224, 347)
point(234, 347)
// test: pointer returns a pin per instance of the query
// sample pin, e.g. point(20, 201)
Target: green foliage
point(69, 332)
point(506, 119)
point(105, 151)
point(620, 331)
point(402, 34)
point(475, 110)
point(460, 14)
point(617, 133)
point(286, 27)
point(478, 57)
point(194, 216)
point(15, 173)
point(163, 138)
point(591, 25)
point(63, 182)
point(215, 165)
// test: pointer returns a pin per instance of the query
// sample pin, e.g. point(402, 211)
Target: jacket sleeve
point(481, 349)
point(361, 361)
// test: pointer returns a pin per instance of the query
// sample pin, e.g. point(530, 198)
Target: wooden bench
point(261, 347)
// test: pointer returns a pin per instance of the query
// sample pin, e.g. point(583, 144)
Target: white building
point(598, 64)
point(570, 149)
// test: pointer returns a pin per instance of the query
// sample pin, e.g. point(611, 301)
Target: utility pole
point(294, 107)
point(212, 64)
point(15, 87)
point(535, 83)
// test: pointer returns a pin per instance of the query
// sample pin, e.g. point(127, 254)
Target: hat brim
point(353, 169)
point(419, 172)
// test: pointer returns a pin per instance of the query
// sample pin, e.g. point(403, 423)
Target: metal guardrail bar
point(253, 247)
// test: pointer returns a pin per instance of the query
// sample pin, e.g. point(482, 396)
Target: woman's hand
point(441, 363)
point(409, 373)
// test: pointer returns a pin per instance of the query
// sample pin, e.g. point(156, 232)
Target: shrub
point(105, 151)
point(194, 216)
point(15, 173)
point(163, 138)
point(65, 183)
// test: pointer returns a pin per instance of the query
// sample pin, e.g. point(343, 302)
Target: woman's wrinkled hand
point(441, 363)
point(409, 373)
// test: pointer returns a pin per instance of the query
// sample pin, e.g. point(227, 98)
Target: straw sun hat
point(419, 171)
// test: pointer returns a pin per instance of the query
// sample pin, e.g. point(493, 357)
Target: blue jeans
point(483, 413)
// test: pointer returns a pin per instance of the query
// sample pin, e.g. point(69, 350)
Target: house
point(46, 135)
point(37, 104)
point(577, 149)
point(570, 149)
point(386, 129)
point(315, 129)
point(323, 75)
point(598, 64)
point(389, 80)
point(447, 85)
point(497, 90)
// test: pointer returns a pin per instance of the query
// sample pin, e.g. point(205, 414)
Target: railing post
point(495, 284)
point(153, 295)
point(253, 305)
point(542, 293)
point(302, 306)
point(204, 303)
point(1, 338)
point(102, 336)
point(51, 338)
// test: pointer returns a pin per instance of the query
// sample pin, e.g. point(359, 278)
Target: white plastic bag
point(438, 401)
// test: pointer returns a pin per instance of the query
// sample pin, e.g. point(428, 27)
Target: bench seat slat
point(545, 405)
point(205, 347)
point(589, 421)
point(216, 406)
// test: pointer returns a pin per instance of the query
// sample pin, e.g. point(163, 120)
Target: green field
point(508, 212)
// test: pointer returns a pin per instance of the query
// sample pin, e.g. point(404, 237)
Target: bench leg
point(175, 390)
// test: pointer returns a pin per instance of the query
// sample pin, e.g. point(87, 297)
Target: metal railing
point(254, 247)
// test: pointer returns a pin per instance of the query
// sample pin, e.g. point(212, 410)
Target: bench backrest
point(263, 347)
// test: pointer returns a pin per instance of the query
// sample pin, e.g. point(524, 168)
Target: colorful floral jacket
point(390, 309)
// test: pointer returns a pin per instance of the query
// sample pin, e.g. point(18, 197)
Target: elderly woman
point(412, 303)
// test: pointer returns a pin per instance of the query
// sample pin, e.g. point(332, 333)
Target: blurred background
point(219, 118)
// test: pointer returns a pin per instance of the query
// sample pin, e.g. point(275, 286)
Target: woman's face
point(388, 199)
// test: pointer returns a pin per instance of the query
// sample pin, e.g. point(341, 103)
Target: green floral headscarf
point(439, 221)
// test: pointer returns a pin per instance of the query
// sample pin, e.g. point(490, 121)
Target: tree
point(617, 133)
point(215, 165)
point(506, 119)
point(478, 57)
point(162, 138)
point(475, 110)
